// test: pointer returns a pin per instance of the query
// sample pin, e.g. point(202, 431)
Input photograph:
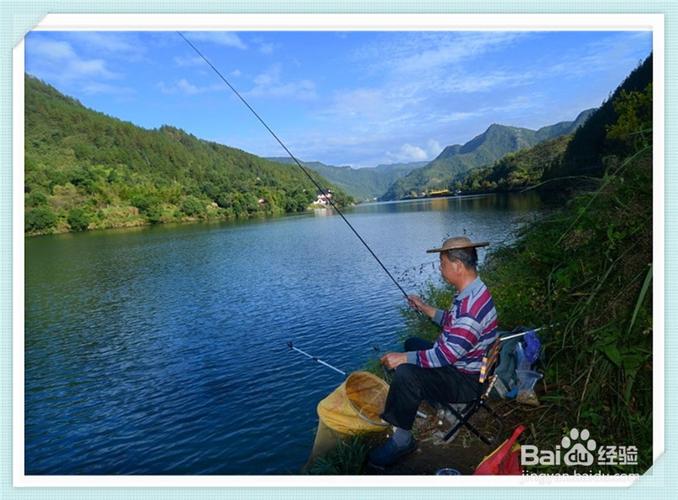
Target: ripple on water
point(164, 350)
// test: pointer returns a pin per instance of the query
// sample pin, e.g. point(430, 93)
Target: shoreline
point(140, 224)
point(309, 211)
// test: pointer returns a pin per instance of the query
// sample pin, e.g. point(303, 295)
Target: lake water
point(162, 350)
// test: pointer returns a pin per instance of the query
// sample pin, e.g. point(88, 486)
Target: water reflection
point(515, 202)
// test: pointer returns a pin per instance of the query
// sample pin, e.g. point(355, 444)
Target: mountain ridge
point(485, 148)
point(365, 183)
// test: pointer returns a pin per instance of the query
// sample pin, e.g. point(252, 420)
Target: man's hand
point(417, 303)
point(393, 360)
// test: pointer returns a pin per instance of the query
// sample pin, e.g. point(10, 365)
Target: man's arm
point(455, 341)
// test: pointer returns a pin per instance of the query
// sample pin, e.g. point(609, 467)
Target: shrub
point(193, 206)
point(143, 202)
point(154, 214)
point(78, 219)
point(40, 219)
point(36, 198)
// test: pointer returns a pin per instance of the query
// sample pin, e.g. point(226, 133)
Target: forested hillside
point(591, 144)
point(87, 170)
point(516, 170)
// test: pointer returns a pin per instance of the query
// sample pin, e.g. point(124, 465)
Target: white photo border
point(341, 22)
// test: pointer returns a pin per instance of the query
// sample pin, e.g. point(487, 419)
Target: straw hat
point(456, 243)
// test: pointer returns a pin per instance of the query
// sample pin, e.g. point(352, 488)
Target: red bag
point(505, 460)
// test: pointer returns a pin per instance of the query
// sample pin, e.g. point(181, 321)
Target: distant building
point(323, 200)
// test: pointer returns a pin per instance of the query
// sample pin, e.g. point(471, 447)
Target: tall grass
point(348, 458)
point(587, 269)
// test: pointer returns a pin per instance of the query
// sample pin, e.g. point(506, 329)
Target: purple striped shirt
point(469, 328)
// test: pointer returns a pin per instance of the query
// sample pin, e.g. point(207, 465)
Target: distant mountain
point(482, 150)
point(515, 170)
point(361, 183)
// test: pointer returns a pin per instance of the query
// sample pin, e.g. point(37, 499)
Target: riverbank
point(135, 220)
point(586, 269)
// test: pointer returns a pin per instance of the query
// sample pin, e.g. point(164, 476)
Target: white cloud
point(373, 109)
point(444, 117)
point(58, 61)
point(420, 74)
point(434, 148)
point(422, 52)
point(411, 152)
point(107, 88)
point(418, 92)
point(124, 45)
point(604, 54)
point(183, 62)
point(408, 152)
point(263, 46)
point(466, 82)
point(183, 86)
point(223, 38)
point(49, 48)
point(187, 87)
point(270, 84)
point(266, 48)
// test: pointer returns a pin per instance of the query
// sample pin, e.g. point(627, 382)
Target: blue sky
point(343, 98)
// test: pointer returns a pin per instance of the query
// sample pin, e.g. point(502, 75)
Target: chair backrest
point(490, 359)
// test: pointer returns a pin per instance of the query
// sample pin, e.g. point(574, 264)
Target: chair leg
point(462, 421)
point(466, 414)
point(453, 431)
point(478, 433)
point(497, 419)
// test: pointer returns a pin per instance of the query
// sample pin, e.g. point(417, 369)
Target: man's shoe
point(389, 453)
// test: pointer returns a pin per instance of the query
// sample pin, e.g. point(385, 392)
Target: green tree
point(35, 199)
point(40, 219)
point(193, 206)
point(78, 219)
point(633, 128)
point(154, 214)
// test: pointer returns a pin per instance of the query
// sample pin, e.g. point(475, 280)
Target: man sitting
point(448, 370)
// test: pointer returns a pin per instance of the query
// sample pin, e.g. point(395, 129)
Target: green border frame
point(18, 17)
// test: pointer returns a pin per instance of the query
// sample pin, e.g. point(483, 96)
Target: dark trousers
point(413, 384)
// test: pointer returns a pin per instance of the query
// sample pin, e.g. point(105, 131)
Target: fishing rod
point(315, 358)
point(317, 185)
point(535, 330)
point(318, 360)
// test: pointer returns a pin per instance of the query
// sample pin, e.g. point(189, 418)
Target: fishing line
point(317, 185)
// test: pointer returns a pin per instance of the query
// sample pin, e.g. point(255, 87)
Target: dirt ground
point(465, 451)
